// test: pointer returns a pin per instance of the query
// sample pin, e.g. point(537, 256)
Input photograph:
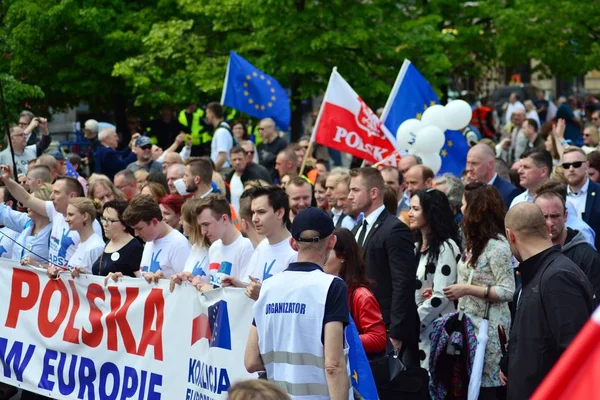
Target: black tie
point(363, 232)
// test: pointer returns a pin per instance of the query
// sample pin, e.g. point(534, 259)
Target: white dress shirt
point(371, 218)
point(524, 197)
point(578, 199)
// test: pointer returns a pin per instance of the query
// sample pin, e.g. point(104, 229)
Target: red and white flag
point(347, 124)
point(577, 372)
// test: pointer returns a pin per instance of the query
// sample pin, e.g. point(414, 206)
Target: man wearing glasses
point(143, 151)
point(582, 193)
point(24, 153)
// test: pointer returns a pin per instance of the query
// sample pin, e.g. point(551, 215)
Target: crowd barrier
point(79, 339)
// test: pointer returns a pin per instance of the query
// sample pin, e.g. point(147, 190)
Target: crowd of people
point(418, 261)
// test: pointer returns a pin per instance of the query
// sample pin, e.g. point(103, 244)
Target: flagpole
point(226, 80)
point(395, 88)
point(314, 131)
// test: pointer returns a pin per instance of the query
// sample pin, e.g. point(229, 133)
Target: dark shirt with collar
point(336, 304)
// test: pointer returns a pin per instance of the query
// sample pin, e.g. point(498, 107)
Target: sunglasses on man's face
point(147, 147)
point(576, 164)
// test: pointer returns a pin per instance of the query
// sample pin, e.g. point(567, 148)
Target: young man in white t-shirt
point(166, 249)
point(270, 210)
point(63, 241)
point(222, 140)
point(230, 252)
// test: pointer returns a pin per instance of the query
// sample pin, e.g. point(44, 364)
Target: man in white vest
point(298, 332)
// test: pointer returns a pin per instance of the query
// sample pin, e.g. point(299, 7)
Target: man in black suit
point(388, 252)
point(481, 168)
point(582, 192)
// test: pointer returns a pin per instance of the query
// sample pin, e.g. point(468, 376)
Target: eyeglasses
point(250, 152)
point(576, 164)
point(146, 147)
point(108, 221)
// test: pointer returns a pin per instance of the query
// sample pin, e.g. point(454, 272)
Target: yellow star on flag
point(450, 144)
point(262, 107)
point(272, 90)
point(432, 103)
point(355, 376)
point(419, 115)
point(254, 74)
point(262, 77)
point(424, 106)
point(248, 77)
point(250, 101)
point(245, 93)
point(268, 82)
point(273, 98)
point(444, 153)
point(270, 104)
point(245, 84)
point(257, 106)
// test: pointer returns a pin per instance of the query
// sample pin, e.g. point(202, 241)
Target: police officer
point(299, 318)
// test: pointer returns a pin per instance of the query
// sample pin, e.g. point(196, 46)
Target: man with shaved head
point(481, 168)
point(554, 301)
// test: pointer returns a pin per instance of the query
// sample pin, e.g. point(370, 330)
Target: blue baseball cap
point(312, 219)
point(142, 141)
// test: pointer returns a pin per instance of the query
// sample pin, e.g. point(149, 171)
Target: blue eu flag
point(218, 321)
point(360, 370)
point(410, 97)
point(255, 93)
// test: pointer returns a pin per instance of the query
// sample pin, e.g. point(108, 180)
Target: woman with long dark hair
point(437, 252)
point(485, 274)
point(346, 262)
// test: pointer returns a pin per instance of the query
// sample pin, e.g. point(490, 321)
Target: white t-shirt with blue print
point(269, 260)
point(168, 254)
point(197, 262)
point(63, 241)
point(7, 238)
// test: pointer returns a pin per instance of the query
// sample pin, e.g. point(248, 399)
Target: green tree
point(563, 36)
point(297, 42)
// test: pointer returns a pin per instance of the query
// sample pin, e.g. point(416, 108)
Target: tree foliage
point(156, 52)
point(563, 36)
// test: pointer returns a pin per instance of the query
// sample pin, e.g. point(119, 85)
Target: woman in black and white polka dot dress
point(437, 252)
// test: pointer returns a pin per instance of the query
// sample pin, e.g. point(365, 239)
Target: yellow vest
point(199, 134)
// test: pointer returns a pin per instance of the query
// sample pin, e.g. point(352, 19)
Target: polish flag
point(576, 375)
point(347, 124)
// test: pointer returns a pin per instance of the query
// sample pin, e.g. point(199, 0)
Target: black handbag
point(394, 380)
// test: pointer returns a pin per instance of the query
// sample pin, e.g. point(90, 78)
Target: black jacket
point(390, 258)
point(252, 172)
point(553, 303)
point(577, 249)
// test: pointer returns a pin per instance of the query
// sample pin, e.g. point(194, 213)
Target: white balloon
point(435, 115)
point(430, 139)
point(406, 133)
point(458, 114)
point(432, 160)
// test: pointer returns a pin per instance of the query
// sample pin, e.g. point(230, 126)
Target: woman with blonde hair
point(197, 263)
point(103, 191)
point(141, 177)
point(33, 230)
point(81, 214)
point(154, 190)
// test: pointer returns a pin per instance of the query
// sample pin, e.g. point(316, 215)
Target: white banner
point(75, 338)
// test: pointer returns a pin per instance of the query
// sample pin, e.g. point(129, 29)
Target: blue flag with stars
point(360, 370)
point(251, 91)
point(218, 321)
point(410, 97)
